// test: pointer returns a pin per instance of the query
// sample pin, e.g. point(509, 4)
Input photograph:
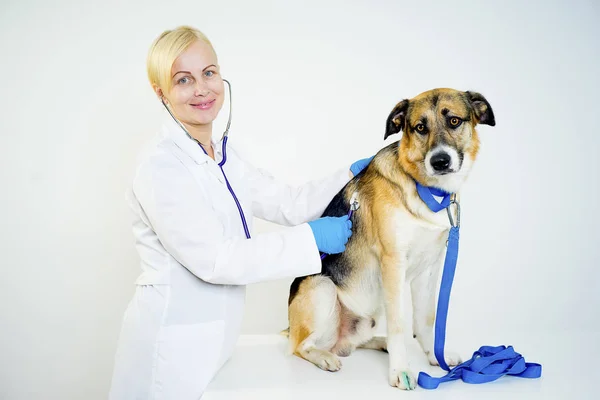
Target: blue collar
point(426, 194)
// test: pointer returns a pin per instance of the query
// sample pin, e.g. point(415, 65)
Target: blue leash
point(488, 363)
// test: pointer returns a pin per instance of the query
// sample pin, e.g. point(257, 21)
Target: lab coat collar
point(189, 146)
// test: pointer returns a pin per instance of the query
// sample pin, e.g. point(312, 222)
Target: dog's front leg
point(393, 274)
point(423, 290)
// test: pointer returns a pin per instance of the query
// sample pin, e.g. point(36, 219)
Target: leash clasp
point(453, 201)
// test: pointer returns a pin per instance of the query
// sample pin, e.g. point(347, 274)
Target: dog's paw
point(343, 351)
point(402, 379)
point(376, 343)
point(328, 362)
point(452, 359)
point(343, 348)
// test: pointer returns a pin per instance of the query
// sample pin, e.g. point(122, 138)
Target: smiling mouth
point(203, 106)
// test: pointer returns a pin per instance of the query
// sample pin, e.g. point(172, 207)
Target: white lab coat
point(184, 319)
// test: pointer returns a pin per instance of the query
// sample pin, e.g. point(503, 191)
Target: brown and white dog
point(396, 239)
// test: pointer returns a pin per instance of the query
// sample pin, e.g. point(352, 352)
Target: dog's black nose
point(440, 161)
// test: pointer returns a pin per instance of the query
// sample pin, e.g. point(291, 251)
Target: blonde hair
point(164, 51)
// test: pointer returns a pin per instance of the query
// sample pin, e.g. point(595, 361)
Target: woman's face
point(197, 93)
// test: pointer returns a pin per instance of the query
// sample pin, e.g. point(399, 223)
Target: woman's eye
point(209, 73)
point(183, 80)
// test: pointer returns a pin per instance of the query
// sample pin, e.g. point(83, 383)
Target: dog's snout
point(441, 161)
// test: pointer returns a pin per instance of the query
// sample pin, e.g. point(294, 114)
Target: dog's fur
point(396, 240)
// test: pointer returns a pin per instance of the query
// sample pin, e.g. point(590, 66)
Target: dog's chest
point(421, 241)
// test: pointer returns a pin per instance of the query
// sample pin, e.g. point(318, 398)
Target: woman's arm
point(278, 202)
point(190, 231)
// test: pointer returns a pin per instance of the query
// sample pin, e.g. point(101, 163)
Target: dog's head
point(439, 142)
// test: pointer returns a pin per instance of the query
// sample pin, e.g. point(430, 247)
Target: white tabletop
point(261, 369)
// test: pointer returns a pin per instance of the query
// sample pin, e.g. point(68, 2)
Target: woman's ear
point(159, 93)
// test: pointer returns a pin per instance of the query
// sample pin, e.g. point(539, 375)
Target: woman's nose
point(201, 88)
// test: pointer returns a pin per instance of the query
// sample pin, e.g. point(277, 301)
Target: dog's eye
point(420, 128)
point(454, 122)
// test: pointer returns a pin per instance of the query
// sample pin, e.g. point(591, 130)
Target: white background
point(313, 83)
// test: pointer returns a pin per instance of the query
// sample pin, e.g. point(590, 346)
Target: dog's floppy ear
point(481, 108)
point(396, 119)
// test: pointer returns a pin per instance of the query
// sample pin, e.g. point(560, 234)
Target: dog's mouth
point(442, 173)
point(438, 174)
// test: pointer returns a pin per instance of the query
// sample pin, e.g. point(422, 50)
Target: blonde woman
point(193, 200)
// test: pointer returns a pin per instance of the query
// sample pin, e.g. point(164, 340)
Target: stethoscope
point(223, 149)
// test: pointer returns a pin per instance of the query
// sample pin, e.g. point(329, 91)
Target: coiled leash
point(353, 207)
point(488, 363)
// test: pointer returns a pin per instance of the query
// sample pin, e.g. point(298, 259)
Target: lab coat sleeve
point(188, 228)
point(287, 205)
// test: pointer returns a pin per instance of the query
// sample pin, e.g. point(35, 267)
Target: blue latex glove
point(331, 233)
point(360, 165)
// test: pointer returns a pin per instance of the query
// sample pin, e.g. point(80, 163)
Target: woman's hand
point(332, 233)
point(359, 165)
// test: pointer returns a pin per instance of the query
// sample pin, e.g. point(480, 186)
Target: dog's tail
point(290, 347)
